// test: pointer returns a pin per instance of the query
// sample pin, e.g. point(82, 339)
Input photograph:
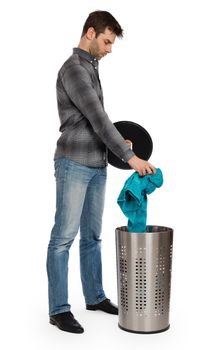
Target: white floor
point(193, 315)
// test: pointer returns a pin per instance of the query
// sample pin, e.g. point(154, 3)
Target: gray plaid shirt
point(87, 131)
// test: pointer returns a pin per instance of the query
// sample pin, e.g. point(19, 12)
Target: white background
point(163, 75)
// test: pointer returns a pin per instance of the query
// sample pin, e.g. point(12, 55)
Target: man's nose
point(109, 49)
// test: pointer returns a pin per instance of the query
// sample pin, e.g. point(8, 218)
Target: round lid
point(142, 144)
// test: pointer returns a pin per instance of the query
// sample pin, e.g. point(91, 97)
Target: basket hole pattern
point(140, 283)
point(162, 293)
point(171, 255)
point(170, 271)
point(123, 279)
point(161, 302)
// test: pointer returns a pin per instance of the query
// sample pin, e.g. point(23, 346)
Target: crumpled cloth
point(133, 198)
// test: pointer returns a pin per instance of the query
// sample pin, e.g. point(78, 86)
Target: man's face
point(102, 45)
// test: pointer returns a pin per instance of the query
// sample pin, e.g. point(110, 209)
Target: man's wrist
point(128, 155)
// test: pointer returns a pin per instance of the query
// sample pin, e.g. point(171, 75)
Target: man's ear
point(90, 34)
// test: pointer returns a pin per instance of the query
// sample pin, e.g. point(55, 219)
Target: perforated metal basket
point(144, 263)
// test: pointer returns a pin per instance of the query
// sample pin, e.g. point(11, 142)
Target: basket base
point(140, 332)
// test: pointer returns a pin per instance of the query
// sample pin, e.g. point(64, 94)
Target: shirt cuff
point(127, 155)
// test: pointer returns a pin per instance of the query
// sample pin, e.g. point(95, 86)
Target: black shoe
point(66, 322)
point(105, 306)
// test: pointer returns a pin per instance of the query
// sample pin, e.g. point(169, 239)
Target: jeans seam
point(89, 228)
point(62, 193)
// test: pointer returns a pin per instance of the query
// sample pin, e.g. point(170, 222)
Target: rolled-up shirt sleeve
point(79, 88)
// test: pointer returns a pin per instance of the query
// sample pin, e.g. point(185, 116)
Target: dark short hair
point(100, 20)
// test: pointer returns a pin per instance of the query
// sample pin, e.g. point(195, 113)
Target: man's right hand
point(141, 166)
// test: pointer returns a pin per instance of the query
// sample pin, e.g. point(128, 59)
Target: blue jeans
point(79, 204)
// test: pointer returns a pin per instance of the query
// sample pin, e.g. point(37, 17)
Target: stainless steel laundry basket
point(144, 263)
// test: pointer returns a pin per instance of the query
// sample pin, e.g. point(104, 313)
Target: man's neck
point(83, 46)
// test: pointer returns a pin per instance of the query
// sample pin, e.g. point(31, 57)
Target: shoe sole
point(98, 309)
point(52, 322)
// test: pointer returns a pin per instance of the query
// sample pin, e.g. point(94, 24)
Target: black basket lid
point(140, 138)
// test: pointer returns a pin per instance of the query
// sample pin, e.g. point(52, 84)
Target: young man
point(80, 171)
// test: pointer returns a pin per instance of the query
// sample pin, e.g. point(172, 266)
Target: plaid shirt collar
point(87, 56)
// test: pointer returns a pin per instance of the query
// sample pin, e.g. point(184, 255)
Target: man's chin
point(100, 57)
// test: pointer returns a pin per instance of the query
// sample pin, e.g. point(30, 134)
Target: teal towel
point(133, 198)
